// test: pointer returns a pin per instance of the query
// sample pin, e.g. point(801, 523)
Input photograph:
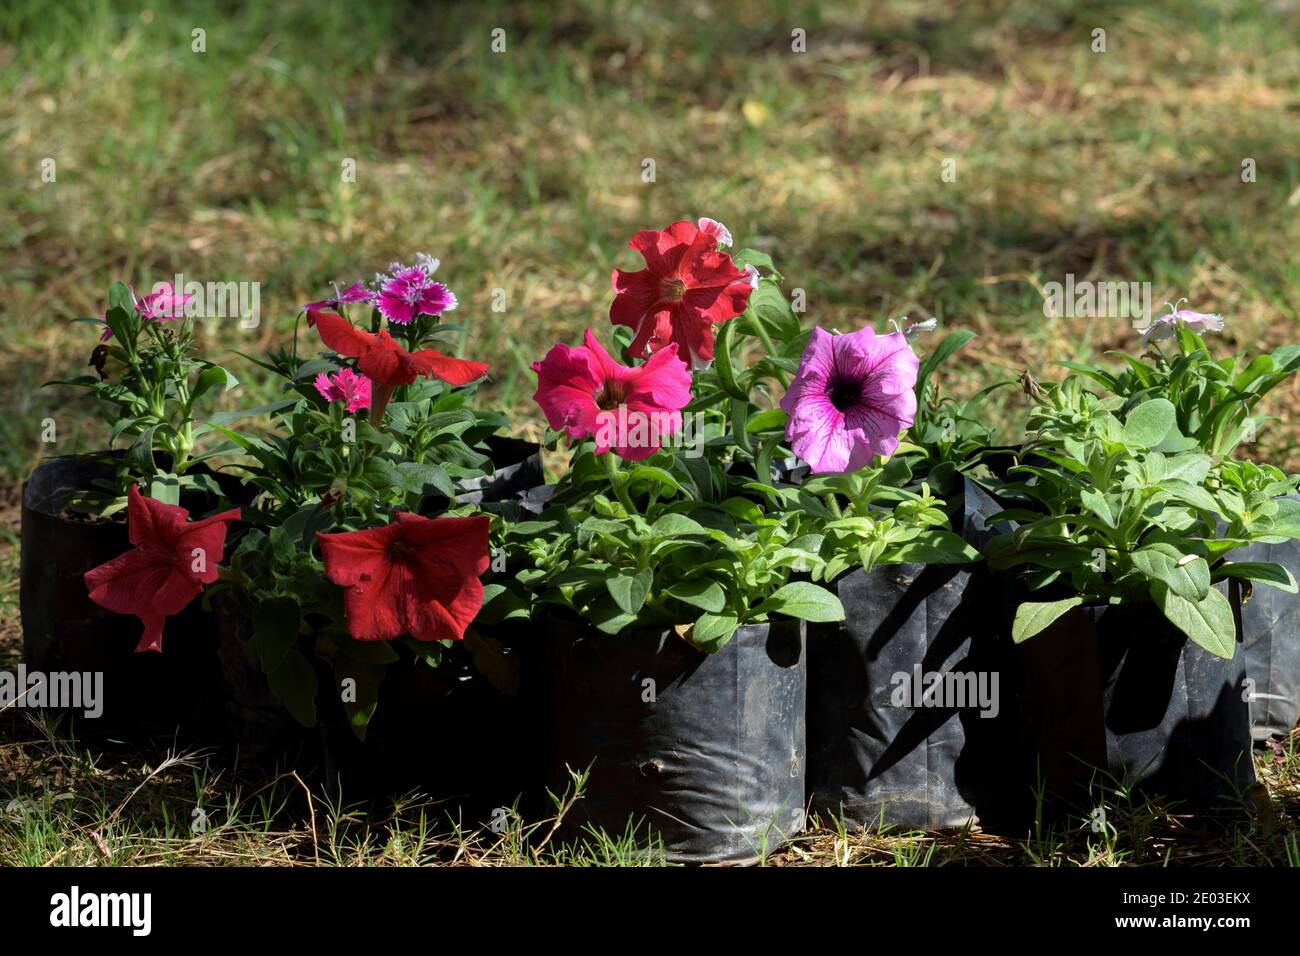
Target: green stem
point(770, 349)
point(616, 482)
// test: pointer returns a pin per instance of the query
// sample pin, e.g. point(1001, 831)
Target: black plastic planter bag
point(517, 468)
point(144, 695)
point(469, 742)
point(1122, 690)
point(913, 717)
point(703, 752)
point(1270, 630)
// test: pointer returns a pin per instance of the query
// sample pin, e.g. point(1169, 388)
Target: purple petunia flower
point(1165, 326)
point(851, 399)
point(409, 291)
point(357, 292)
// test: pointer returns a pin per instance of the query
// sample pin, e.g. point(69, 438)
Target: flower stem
point(616, 481)
point(766, 339)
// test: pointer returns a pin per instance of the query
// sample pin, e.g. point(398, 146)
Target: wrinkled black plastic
point(874, 757)
point(1270, 629)
point(705, 752)
point(518, 467)
point(145, 695)
point(448, 734)
point(1121, 689)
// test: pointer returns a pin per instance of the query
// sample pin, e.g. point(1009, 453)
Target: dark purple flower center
point(844, 392)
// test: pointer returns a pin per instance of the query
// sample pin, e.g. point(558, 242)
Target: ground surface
point(522, 170)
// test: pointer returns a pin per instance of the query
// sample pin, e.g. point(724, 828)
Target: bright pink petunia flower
point(345, 386)
point(357, 292)
point(172, 561)
point(409, 291)
point(415, 575)
point(161, 305)
point(851, 399)
point(686, 288)
point(627, 409)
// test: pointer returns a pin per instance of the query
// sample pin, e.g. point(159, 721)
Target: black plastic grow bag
point(898, 694)
point(147, 694)
point(448, 732)
point(1270, 631)
point(517, 467)
point(1121, 690)
point(703, 753)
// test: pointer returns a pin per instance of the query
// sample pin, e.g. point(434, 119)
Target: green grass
point(65, 804)
point(522, 171)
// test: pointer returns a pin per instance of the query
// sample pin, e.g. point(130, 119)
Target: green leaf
point(805, 600)
point(949, 345)
point(722, 363)
point(1150, 423)
point(165, 488)
point(706, 595)
point(140, 455)
point(294, 684)
point(1186, 575)
point(1032, 617)
point(712, 631)
point(629, 591)
point(768, 419)
point(275, 631)
point(1208, 622)
point(1095, 501)
point(214, 376)
point(1263, 572)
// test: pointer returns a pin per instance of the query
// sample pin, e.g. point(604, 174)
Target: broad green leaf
point(704, 594)
point(629, 590)
point(1033, 617)
point(712, 631)
point(805, 600)
point(1208, 622)
point(1188, 576)
point(1263, 572)
point(1150, 423)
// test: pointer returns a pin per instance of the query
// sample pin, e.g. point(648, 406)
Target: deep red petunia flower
point(686, 287)
point(385, 362)
point(172, 561)
point(417, 576)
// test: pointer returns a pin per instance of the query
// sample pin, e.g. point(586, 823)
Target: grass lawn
point(522, 170)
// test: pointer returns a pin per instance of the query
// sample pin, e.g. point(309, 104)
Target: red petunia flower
point(686, 287)
point(417, 576)
point(386, 363)
point(627, 410)
point(172, 561)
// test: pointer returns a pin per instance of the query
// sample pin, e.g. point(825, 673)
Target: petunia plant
point(150, 385)
point(681, 505)
point(1115, 505)
point(1215, 399)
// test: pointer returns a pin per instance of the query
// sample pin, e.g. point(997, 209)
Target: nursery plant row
point(781, 569)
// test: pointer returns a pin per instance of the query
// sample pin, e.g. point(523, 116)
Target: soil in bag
point(700, 754)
